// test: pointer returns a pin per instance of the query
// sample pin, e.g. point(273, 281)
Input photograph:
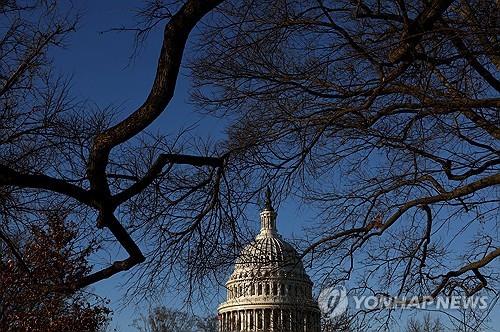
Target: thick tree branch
point(176, 33)
point(468, 189)
point(175, 36)
point(417, 29)
point(473, 266)
point(489, 127)
point(135, 254)
point(157, 168)
point(468, 55)
point(10, 177)
point(13, 248)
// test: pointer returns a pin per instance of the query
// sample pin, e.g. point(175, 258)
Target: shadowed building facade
point(269, 289)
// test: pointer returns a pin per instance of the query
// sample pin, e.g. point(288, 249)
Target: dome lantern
point(268, 219)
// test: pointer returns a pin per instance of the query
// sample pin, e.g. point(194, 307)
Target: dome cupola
point(268, 219)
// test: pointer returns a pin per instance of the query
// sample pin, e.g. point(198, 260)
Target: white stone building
point(269, 289)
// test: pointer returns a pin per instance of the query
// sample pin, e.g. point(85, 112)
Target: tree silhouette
point(383, 115)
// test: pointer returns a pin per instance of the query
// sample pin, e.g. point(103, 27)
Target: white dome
point(270, 254)
point(269, 289)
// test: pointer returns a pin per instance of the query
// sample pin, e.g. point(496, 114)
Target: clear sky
point(104, 73)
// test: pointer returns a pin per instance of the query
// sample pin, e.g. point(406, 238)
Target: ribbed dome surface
point(269, 253)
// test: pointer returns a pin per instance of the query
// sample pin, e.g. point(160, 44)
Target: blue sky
point(104, 73)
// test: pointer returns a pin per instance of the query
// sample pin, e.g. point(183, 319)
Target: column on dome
point(271, 319)
point(281, 317)
point(263, 320)
point(254, 319)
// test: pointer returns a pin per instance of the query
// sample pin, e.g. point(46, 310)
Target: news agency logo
point(333, 301)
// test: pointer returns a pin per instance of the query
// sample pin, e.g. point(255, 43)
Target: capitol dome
point(269, 289)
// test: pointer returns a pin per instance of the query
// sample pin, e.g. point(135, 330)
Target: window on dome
point(275, 289)
point(259, 291)
point(283, 291)
point(267, 289)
